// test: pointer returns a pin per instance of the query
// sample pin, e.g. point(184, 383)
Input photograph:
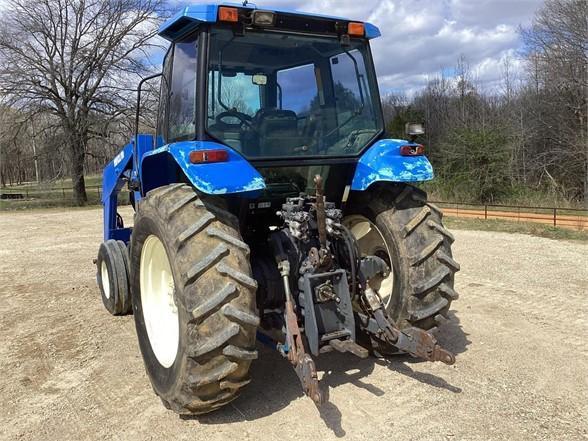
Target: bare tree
point(557, 42)
point(77, 60)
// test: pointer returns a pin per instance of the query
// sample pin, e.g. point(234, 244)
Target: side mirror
point(414, 129)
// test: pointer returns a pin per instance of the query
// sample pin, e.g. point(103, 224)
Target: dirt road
point(69, 371)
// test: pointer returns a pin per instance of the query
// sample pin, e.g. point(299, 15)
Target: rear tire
point(420, 249)
point(214, 295)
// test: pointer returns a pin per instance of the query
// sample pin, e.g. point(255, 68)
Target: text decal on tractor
point(269, 203)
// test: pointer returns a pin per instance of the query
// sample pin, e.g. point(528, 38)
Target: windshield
point(277, 94)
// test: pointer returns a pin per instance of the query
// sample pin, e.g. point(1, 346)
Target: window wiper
point(358, 76)
point(220, 72)
point(358, 111)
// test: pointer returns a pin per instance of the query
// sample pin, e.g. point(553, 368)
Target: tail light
point(207, 156)
point(412, 150)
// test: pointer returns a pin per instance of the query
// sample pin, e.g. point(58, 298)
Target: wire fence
point(49, 196)
point(50, 192)
point(576, 218)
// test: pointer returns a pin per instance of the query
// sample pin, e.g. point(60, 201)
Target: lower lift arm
point(413, 341)
point(302, 361)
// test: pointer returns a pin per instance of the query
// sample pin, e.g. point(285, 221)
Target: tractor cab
point(270, 85)
point(279, 91)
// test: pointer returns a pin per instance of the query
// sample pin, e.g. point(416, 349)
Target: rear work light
point(208, 156)
point(356, 29)
point(264, 18)
point(228, 14)
point(412, 150)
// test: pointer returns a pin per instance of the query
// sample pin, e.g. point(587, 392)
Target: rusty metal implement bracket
point(303, 362)
point(414, 341)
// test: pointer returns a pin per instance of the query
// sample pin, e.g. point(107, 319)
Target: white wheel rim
point(105, 279)
point(370, 242)
point(157, 301)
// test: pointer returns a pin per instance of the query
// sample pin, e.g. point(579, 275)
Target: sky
point(422, 38)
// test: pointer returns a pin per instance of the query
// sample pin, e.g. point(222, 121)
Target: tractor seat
point(278, 132)
point(230, 133)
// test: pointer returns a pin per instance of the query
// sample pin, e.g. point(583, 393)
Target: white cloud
point(421, 38)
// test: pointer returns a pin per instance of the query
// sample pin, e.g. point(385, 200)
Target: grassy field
point(51, 194)
point(532, 229)
point(91, 181)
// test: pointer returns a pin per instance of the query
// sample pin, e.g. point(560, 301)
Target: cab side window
point(182, 103)
point(298, 89)
point(162, 114)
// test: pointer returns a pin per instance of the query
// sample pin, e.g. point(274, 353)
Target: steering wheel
point(244, 119)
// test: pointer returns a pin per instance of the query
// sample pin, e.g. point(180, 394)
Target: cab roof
point(190, 17)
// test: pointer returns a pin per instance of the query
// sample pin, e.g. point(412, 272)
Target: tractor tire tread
point(236, 352)
point(212, 231)
point(423, 251)
point(214, 302)
point(218, 295)
point(442, 230)
point(127, 304)
point(203, 265)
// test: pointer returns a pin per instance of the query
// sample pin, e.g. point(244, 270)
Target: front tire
point(112, 276)
point(193, 300)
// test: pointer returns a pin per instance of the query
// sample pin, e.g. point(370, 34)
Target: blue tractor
point(269, 205)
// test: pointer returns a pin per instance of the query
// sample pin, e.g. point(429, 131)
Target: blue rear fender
point(382, 162)
point(159, 167)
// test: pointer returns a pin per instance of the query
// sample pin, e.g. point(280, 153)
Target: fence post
point(63, 192)
point(555, 217)
point(485, 211)
point(99, 197)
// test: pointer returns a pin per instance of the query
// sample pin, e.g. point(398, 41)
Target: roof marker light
point(228, 14)
point(356, 29)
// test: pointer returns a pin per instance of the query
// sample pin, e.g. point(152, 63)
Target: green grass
point(516, 227)
point(91, 181)
point(52, 194)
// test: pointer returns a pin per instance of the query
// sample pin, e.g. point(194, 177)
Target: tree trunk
point(77, 181)
point(77, 148)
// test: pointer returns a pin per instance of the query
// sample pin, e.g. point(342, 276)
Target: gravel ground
point(71, 371)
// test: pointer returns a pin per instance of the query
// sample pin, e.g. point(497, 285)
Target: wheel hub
point(157, 300)
point(105, 279)
point(370, 242)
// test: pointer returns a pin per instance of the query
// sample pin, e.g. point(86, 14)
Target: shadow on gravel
point(274, 384)
point(452, 336)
